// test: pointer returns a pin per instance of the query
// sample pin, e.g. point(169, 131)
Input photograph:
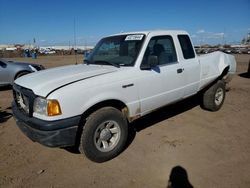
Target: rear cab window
point(186, 46)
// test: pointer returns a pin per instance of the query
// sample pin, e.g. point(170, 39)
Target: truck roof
point(154, 32)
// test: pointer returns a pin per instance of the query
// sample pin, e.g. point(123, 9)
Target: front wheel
point(213, 97)
point(104, 134)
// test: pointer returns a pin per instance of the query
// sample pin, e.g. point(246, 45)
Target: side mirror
point(151, 63)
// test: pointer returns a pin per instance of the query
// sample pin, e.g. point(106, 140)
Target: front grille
point(24, 99)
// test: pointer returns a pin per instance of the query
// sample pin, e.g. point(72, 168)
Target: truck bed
point(212, 66)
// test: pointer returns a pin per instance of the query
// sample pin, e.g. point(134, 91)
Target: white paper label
point(134, 37)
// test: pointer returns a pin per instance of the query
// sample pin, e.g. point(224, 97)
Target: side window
point(186, 46)
point(163, 48)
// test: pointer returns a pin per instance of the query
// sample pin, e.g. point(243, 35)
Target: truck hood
point(44, 82)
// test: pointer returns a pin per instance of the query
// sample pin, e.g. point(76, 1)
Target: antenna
point(75, 50)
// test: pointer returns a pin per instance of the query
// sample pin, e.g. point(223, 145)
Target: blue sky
point(52, 22)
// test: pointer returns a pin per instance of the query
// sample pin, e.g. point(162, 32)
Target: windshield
point(118, 51)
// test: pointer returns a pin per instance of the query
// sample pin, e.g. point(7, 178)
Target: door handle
point(128, 85)
point(180, 70)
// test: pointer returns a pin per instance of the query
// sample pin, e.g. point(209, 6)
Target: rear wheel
point(214, 97)
point(104, 134)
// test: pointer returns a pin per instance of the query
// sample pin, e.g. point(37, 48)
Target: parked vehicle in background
point(126, 76)
point(10, 70)
point(47, 50)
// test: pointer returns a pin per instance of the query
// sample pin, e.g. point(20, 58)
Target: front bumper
point(59, 133)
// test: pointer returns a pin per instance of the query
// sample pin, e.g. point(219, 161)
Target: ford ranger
point(127, 76)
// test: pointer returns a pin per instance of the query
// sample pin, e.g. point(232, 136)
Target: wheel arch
point(222, 77)
point(110, 102)
point(224, 73)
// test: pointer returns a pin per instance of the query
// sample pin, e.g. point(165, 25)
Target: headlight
point(49, 107)
point(40, 106)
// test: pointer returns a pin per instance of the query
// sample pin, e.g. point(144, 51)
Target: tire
point(104, 135)
point(214, 97)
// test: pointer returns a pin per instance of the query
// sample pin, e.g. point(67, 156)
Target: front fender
point(133, 106)
point(77, 98)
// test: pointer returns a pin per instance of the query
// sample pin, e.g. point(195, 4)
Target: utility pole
point(75, 50)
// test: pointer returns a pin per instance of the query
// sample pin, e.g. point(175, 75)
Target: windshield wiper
point(101, 62)
point(107, 62)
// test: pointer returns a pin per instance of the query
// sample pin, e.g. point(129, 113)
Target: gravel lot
point(211, 147)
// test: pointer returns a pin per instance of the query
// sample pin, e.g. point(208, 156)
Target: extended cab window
point(163, 48)
point(186, 46)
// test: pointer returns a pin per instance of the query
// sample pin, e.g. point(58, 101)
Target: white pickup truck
point(128, 75)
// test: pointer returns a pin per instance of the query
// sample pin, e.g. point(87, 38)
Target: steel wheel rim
point(219, 95)
point(107, 136)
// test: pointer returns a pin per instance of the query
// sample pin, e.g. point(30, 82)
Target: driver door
point(161, 84)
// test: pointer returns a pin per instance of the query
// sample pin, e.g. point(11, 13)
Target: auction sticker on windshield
point(134, 37)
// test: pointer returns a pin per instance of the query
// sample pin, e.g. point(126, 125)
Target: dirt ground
point(213, 148)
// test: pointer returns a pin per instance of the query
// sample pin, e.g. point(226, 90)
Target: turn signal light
point(53, 108)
